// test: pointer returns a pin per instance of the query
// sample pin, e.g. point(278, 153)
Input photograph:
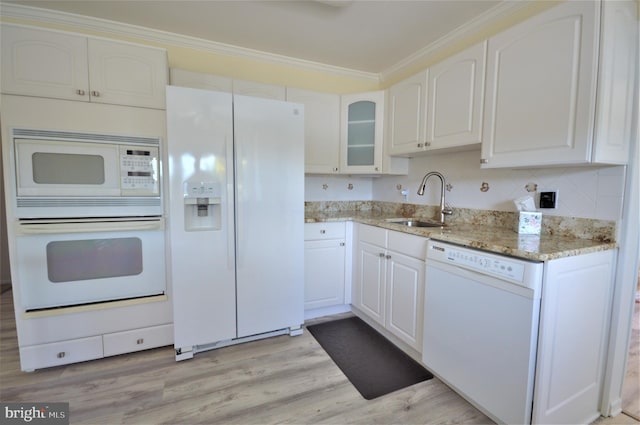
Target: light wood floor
point(278, 380)
point(631, 388)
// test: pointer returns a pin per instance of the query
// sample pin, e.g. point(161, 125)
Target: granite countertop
point(489, 238)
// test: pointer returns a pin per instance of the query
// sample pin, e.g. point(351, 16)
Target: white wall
point(337, 188)
point(587, 192)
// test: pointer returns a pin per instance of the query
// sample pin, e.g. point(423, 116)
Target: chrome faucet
point(443, 210)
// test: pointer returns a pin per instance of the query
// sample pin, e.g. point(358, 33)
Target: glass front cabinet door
point(362, 133)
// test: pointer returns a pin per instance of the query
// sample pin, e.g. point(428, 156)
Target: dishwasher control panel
point(512, 269)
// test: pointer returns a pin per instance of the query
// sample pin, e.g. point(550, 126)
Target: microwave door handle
point(88, 227)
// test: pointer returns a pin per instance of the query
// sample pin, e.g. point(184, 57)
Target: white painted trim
point(17, 11)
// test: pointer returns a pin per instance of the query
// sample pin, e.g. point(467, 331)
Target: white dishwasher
point(481, 327)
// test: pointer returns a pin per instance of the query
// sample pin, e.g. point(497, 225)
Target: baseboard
point(326, 311)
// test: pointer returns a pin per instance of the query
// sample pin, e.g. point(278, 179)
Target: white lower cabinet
point(324, 265)
point(60, 353)
point(137, 340)
point(388, 281)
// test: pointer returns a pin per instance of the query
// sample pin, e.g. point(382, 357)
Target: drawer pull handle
point(80, 92)
point(61, 354)
point(140, 341)
point(95, 93)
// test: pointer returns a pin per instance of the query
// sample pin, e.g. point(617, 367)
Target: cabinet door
point(321, 129)
point(540, 89)
point(456, 95)
point(407, 115)
point(255, 89)
point(405, 288)
point(44, 63)
point(126, 74)
point(369, 282)
point(324, 262)
point(361, 133)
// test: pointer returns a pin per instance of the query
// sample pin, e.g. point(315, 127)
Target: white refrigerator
point(236, 217)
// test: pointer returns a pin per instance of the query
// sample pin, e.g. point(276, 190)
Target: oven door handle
point(48, 228)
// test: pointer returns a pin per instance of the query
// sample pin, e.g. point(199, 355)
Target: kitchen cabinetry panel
point(405, 280)
point(370, 284)
point(44, 63)
point(125, 74)
point(539, 89)
point(576, 304)
point(559, 87)
point(389, 281)
point(62, 65)
point(137, 340)
point(325, 262)
point(321, 130)
point(407, 115)
point(455, 100)
point(361, 133)
point(60, 353)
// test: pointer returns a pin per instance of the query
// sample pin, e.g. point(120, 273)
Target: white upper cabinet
point(542, 87)
point(321, 130)
point(407, 115)
point(60, 65)
point(255, 89)
point(361, 134)
point(198, 80)
point(455, 100)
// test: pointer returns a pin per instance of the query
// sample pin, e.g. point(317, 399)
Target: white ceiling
point(361, 35)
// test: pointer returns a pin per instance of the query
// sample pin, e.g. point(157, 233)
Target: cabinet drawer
point(137, 340)
point(60, 353)
point(373, 235)
point(411, 245)
point(333, 230)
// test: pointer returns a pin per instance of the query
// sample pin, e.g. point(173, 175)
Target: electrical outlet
point(548, 199)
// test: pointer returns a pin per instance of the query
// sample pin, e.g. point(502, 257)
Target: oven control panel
point(139, 170)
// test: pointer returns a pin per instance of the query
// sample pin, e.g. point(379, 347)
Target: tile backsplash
point(586, 191)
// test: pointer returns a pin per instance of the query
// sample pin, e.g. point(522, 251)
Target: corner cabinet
point(321, 130)
point(388, 281)
point(55, 64)
point(560, 87)
point(361, 136)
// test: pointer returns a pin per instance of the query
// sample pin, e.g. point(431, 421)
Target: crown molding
point(496, 13)
point(46, 16)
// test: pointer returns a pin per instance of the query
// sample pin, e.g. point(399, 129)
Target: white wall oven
point(64, 263)
point(67, 174)
point(88, 213)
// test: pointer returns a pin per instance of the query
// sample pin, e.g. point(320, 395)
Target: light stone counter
point(492, 236)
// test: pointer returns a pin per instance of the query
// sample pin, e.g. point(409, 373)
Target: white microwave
point(67, 174)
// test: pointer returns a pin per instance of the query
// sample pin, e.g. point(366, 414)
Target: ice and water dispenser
point(202, 206)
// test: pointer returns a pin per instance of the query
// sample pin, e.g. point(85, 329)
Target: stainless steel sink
point(414, 223)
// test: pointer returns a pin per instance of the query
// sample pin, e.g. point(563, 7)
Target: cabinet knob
point(484, 161)
point(388, 257)
point(322, 231)
point(427, 144)
point(95, 93)
point(61, 355)
point(80, 92)
point(377, 169)
point(419, 145)
point(342, 243)
point(381, 255)
point(140, 341)
point(335, 169)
